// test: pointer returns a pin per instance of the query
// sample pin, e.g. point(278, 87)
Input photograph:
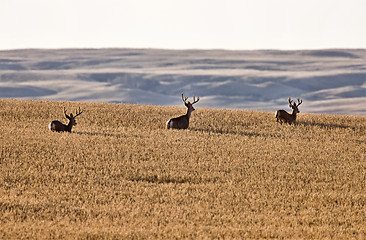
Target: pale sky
point(183, 24)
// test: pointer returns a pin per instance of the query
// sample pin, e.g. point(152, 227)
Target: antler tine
point(194, 99)
point(67, 116)
point(184, 99)
point(78, 113)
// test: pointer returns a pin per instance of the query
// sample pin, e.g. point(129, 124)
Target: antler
point(290, 101)
point(299, 101)
point(184, 99)
point(194, 99)
point(67, 116)
point(78, 113)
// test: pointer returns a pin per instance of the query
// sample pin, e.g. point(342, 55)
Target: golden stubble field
point(233, 174)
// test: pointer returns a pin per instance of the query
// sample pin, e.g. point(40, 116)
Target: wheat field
point(232, 175)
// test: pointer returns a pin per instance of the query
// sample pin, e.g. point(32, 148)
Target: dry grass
point(233, 174)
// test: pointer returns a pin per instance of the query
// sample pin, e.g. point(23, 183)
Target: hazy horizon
point(178, 49)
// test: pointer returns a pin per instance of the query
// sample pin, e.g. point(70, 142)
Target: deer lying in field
point(284, 116)
point(60, 127)
point(182, 122)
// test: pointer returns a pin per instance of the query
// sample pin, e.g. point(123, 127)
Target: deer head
point(72, 117)
point(190, 105)
point(293, 106)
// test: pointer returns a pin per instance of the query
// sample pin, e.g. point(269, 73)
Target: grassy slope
point(232, 174)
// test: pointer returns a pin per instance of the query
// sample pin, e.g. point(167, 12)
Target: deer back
point(59, 126)
point(181, 122)
point(284, 116)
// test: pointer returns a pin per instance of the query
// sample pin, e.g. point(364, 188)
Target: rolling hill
point(330, 81)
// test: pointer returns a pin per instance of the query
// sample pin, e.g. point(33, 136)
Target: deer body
point(283, 116)
point(60, 127)
point(182, 122)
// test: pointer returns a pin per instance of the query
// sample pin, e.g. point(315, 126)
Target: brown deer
point(60, 127)
point(182, 122)
point(284, 116)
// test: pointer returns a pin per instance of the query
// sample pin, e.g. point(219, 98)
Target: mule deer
point(182, 122)
point(60, 127)
point(284, 116)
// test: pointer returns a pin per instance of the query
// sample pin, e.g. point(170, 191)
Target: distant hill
point(329, 81)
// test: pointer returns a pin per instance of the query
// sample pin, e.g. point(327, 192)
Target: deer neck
point(69, 126)
point(189, 111)
point(294, 114)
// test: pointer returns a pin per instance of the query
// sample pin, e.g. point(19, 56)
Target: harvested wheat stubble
point(232, 174)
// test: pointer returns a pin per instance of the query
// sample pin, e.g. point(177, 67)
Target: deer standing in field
point(284, 116)
point(60, 127)
point(182, 122)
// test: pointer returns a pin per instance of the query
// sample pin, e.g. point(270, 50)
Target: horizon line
point(181, 49)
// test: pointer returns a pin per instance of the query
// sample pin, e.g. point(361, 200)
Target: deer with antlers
point(283, 116)
point(60, 127)
point(182, 122)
